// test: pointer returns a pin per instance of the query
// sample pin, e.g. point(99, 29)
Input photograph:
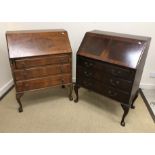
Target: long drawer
point(41, 61)
point(107, 79)
point(106, 68)
point(35, 72)
point(105, 90)
point(43, 82)
point(116, 94)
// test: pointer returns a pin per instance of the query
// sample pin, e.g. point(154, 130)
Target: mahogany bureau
point(39, 59)
point(111, 64)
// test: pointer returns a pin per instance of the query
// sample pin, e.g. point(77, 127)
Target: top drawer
point(105, 68)
point(119, 72)
point(41, 61)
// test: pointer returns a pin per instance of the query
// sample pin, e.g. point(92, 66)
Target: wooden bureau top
point(30, 43)
point(121, 49)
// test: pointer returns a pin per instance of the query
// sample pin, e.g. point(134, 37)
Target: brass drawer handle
point(87, 73)
point(116, 72)
point(111, 93)
point(114, 82)
point(88, 64)
point(87, 83)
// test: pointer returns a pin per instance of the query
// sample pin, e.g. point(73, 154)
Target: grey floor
point(150, 96)
point(51, 111)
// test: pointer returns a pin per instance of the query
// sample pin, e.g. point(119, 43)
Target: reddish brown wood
point(39, 59)
point(43, 60)
point(113, 48)
point(43, 82)
point(35, 72)
point(112, 64)
point(37, 43)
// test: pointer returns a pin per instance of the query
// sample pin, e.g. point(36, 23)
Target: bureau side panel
point(139, 71)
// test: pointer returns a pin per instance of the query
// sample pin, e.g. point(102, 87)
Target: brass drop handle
point(88, 64)
point(112, 93)
point(87, 73)
point(114, 83)
point(114, 72)
point(87, 83)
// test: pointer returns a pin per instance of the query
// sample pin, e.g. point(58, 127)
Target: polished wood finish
point(37, 43)
point(39, 59)
point(111, 64)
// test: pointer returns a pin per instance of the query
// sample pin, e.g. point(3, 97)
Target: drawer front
point(43, 82)
point(86, 83)
point(116, 94)
point(105, 90)
point(119, 72)
point(105, 68)
point(118, 83)
point(104, 78)
point(42, 71)
point(84, 62)
point(111, 92)
point(41, 61)
point(88, 73)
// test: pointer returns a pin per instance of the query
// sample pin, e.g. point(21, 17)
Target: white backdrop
point(76, 31)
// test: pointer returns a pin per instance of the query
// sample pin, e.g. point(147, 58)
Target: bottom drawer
point(43, 82)
point(105, 90)
point(86, 83)
point(116, 94)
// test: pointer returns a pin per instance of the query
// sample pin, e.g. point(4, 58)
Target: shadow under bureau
point(39, 59)
point(111, 64)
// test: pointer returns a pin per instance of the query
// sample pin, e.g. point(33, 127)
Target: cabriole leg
point(132, 105)
point(70, 92)
point(76, 87)
point(18, 96)
point(126, 110)
point(63, 86)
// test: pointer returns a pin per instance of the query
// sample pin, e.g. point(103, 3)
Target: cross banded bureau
point(111, 64)
point(39, 59)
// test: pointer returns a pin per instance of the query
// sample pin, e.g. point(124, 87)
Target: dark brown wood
point(132, 104)
point(126, 111)
point(18, 97)
point(39, 59)
point(76, 87)
point(111, 64)
point(70, 92)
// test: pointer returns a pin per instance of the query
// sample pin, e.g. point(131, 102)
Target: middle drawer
point(107, 79)
point(41, 71)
